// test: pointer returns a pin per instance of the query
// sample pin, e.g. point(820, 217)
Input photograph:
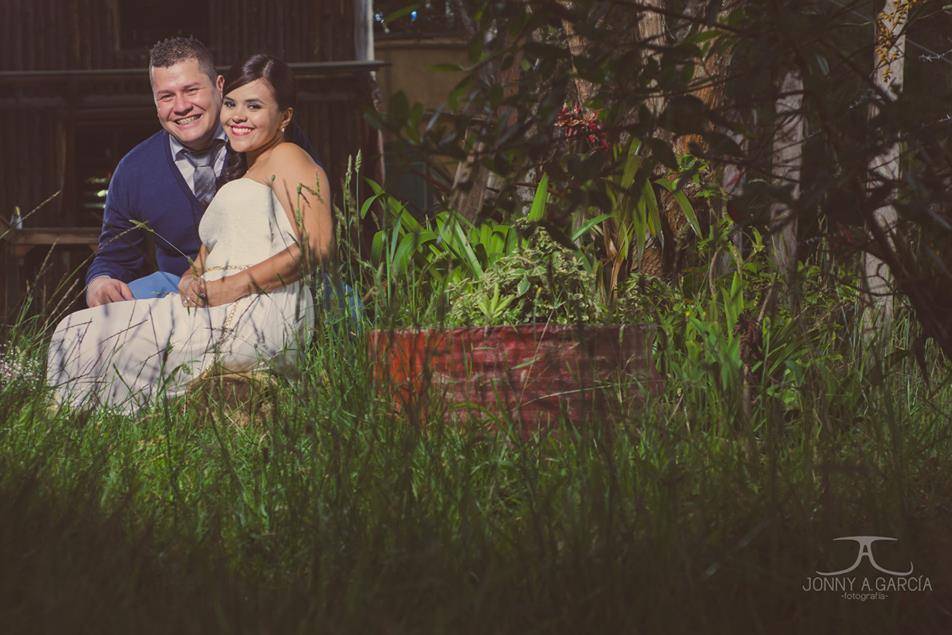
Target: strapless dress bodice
point(244, 224)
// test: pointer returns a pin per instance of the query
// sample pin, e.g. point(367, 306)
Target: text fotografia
point(862, 588)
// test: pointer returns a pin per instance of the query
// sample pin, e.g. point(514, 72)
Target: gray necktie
point(204, 178)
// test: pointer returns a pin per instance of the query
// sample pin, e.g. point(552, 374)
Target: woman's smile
point(240, 130)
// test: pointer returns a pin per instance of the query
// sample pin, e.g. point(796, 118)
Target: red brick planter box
point(531, 373)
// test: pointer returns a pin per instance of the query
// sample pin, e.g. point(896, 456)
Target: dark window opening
point(145, 22)
point(99, 146)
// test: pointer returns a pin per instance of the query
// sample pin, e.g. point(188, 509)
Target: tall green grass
point(700, 509)
point(331, 512)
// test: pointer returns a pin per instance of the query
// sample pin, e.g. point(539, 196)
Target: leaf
point(523, 286)
point(399, 109)
point(685, 114)
point(537, 211)
point(662, 152)
point(654, 214)
point(502, 304)
point(401, 258)
point(721, 144)
point(374, 120)
point(527, 362)
point(487, 235)
point(415, 118)
point(394, 238)
point(377, 246)
point(406, 219)
point(688, 211)
point(365, 207)
point(512, 241)
point(374, 186)
point(469, 256)
point(632, 163)
point(588, 225)
point(459, 91)
point(640, 226)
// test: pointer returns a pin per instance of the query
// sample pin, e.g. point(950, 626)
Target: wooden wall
point(86, 34)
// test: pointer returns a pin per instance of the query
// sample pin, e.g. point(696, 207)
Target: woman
point(241, 306)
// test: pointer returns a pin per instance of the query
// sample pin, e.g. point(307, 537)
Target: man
point(154, 186)
point(163, 185)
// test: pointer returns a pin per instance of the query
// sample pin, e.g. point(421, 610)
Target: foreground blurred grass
point(331, 513)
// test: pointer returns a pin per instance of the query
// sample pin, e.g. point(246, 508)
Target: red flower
point(577, 123)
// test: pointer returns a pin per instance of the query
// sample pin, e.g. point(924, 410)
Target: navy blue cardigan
point(147, 194)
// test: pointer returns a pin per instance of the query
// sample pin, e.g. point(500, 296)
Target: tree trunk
point(651, 31)
point(710, 81)
point(890, 55)
point(473, 183)
point(787, 164)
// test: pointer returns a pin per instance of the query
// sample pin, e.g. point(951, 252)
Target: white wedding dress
point(127, 355)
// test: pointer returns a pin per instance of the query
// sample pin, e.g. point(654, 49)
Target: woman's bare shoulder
point(290, 156)
point(290, 166)
point(290, 163)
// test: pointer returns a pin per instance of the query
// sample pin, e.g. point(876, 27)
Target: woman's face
point(251, 117)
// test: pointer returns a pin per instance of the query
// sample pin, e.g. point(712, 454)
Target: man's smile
point(187, 121)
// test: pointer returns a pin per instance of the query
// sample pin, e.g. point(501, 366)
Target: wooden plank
point(96, 40)
point(6, 55)
point(339, 68)
point(31, 103)
point(52, 236)
point(58, 33)
point(46, 145)
point(62, 142)
point(73, 38)
point(36, 174)
point(34, 46)
point(85, 31)
point(114, 27)
point(18, 35)
point(6, 176)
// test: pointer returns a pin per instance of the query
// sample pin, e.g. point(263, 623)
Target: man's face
point(187, 102)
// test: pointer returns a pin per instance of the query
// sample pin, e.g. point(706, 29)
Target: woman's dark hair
point(258, 66)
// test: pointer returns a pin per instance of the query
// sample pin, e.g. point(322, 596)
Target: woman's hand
point(197, 292)
point(193, 289)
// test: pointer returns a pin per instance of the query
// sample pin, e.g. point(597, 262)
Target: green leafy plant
point(413, 261)
point(445, 269)
point(542, 282)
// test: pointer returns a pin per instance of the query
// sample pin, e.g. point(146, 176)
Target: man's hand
point(103, 290)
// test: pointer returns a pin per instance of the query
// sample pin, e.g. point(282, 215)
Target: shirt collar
point(178, 148)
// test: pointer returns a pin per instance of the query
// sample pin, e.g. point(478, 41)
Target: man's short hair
point(173, 50)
